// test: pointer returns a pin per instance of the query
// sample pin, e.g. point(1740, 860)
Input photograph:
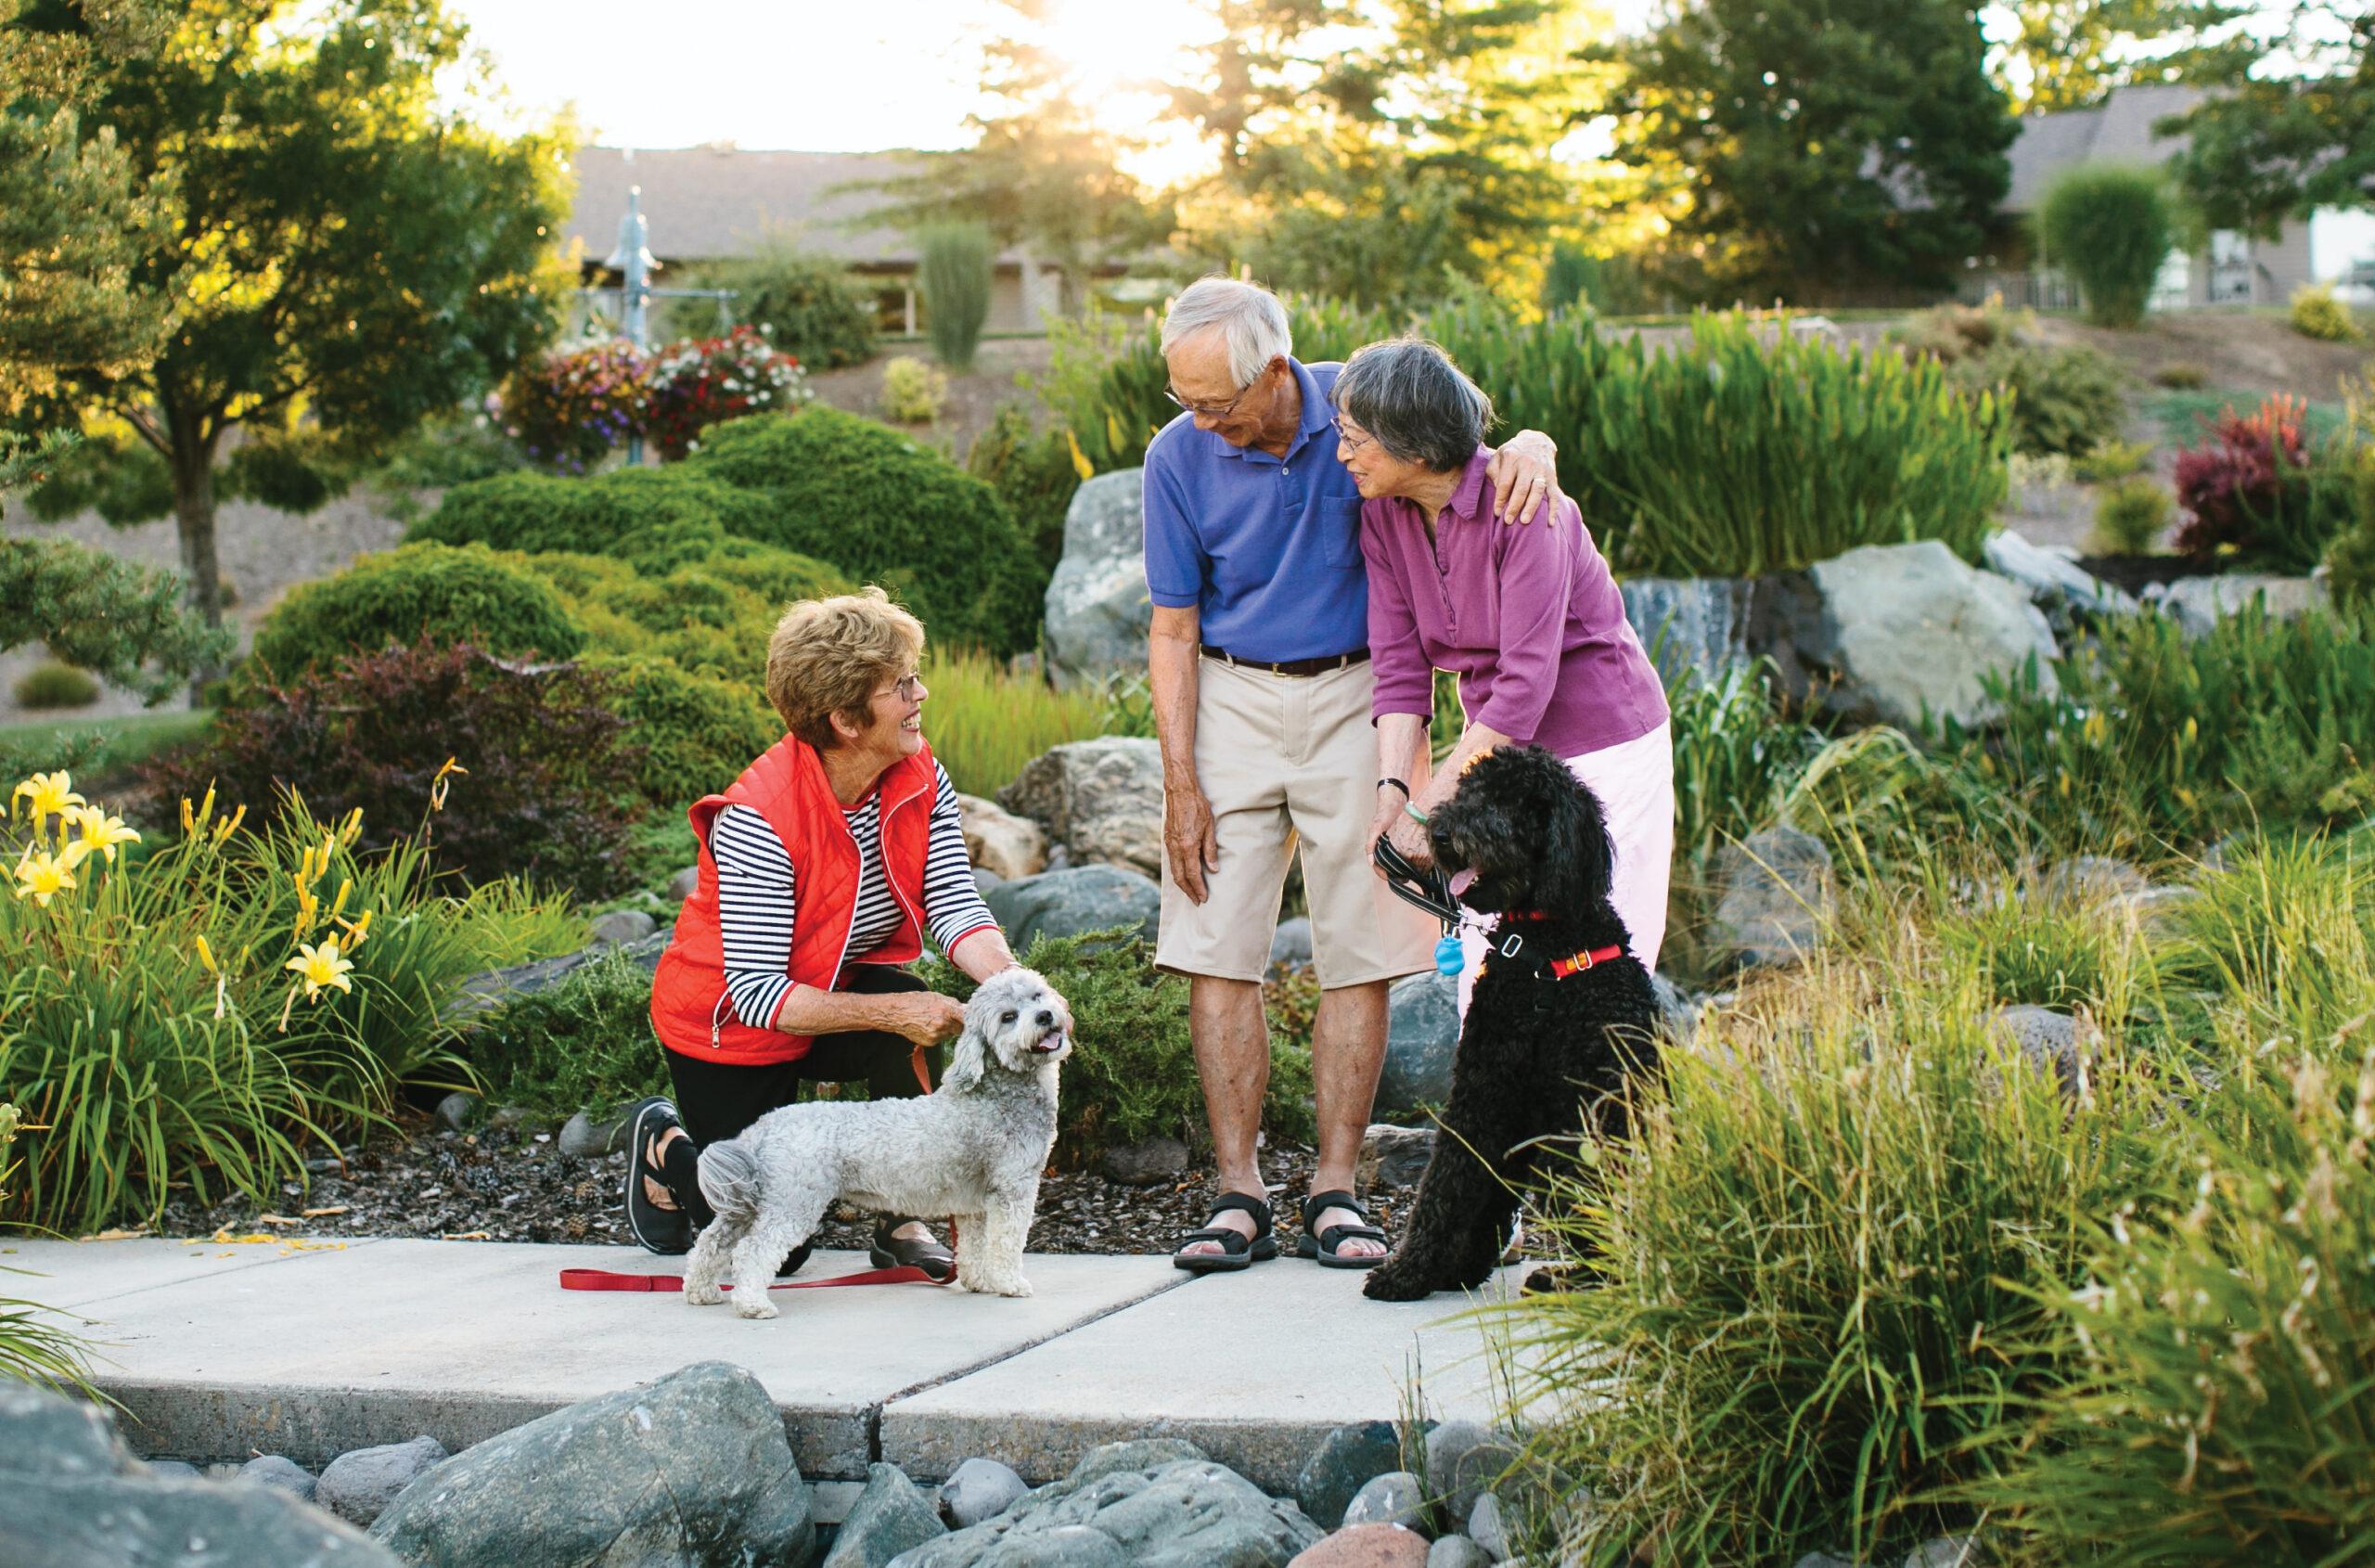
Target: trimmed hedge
point(539, 511)
point(698, 732)
point(869, 500)
point(432, 591)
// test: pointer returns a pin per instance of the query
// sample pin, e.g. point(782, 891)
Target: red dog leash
point(610, 1279)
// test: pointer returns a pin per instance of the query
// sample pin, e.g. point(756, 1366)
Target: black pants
point(718, 1100)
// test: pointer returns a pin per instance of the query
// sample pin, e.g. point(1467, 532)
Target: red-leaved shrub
point(549, 780)
point(2240, 481)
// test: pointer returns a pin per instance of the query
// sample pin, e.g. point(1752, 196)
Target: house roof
point(704, 203)
point(2119, 130)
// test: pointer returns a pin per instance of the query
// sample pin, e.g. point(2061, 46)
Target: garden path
point(219, 1350)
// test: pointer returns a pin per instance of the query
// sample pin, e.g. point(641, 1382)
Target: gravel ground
point(514, 1184)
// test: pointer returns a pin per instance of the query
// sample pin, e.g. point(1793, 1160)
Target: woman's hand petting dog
point(925, 1017)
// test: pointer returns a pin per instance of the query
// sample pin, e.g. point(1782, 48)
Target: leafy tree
point(1816, 149)
point(2070, 54)
point(806, 302)
point(334, 245)
point(2271, 144)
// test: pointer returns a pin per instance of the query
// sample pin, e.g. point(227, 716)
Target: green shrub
point(2183, 375)
point(1034, 473)
point(2110, 226)
point(584, 1044)
point(2112, 460)
point(884, 509)
point(698, 732)
point(415, 591)
point(804, 301)
point(2064, 399)
point(2317, 313)
point(1134, 1074)
point(912, 391)
point(2352, 556)
point(2130, 517)
point(52, 685)
point(538, 512)
point(955, 277)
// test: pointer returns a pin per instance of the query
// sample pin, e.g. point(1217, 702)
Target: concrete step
point(221, 1351)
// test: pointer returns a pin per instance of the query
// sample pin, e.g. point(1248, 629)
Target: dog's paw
point(758, 1307)
point(1012, 1285)
point(704, 1295)
point(1388, 1283)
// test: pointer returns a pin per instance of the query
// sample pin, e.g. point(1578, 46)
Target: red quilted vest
point(690, 1008)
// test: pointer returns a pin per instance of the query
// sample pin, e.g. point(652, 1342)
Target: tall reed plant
point(955, 274)
point(984, 722)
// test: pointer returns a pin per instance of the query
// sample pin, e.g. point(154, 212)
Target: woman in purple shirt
point(1529, 619)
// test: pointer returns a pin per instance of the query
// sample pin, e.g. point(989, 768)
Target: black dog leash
point(1427, 888)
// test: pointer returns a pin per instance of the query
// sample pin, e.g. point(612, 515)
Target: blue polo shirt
point(1268, 550)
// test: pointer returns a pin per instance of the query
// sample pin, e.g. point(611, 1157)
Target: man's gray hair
point(1249, 317)
point(1407, 393)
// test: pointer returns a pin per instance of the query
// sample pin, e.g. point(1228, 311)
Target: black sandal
point(929, 1254)
point(1238, 1251)
point(666, 1231)
point(1324, 1245)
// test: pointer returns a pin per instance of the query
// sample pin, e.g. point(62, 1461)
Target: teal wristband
point(1415, 813)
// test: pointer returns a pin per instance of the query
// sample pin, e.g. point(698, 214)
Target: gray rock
point(1347, 1460)
point(1096, 612)
point(1824, 1560)
point(2069, 596)
point(174, 1470)
point(692, 1469)
point(455, 1112)
point(1678, 1010)
point(1948, 1551)
point(890, 1517)
point(622, 925)
point(984, 881)
point(1464, 1460)
point(583, 1137)
point(1422, 1031)
point(2051, 1040)
point(1145, 1163)
point(998, 841)
point(1070, 902)
point(359, 1485)
point(1290, 944)
point(1888, 633)
point(275, 1470)
point(2226, 852)
point(2158, 910)
point(1392, 1156)
point(2197, 604)
point(1695, 624)
point(1775, 897)
point(1458, 1551)
point(1155, 1509)
point(978, 1489)
point(1100, 800)
point(1395, 1498)
point(485, 992)
point(1488, 1528)
point(683, 884)
point(2092, 879)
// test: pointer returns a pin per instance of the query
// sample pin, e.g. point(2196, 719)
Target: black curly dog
point(1538, 1053)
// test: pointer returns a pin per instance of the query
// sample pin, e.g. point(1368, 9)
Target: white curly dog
point(972, 1149)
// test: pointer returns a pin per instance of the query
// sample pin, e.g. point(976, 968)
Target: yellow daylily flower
point(356, 930)
point(52, 795)
point(352, 829)
point(320, 966)
point(99, 833)
point(206, 957)
point(308, 909)
point(439, 785)
point(230, 824)
point(42, 876)
point(337, 905)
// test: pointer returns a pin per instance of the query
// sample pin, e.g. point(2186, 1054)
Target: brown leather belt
point(1328, 665)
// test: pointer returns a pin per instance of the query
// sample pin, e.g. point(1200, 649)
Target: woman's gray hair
point(1249, 317)
point(1407, 393)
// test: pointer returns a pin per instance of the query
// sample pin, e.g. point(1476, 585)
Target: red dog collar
point(1562, 968)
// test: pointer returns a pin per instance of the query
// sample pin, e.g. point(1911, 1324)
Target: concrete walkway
point(221, 1350)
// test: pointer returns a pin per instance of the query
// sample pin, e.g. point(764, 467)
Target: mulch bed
point(514, 1184)
point(2133, 574)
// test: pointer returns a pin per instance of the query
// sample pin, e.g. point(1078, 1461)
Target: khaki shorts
point(1289, 761)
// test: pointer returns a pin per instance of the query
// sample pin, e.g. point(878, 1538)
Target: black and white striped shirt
point(754, 885)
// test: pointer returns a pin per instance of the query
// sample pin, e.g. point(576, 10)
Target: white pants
point(1634, 783)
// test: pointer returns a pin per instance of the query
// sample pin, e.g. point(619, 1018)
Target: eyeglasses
point(907, 688)
point(1346, 439)
point(1210, 411)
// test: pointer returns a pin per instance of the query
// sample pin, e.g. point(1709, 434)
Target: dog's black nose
point(1046, 1019)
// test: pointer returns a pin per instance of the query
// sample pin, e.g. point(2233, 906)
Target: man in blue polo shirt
point(1259, 666)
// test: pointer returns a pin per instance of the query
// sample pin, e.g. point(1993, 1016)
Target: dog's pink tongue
point(1462, 880)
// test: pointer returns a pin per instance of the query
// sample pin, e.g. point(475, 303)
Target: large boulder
point(1691, 624)
point(1348, 1459)
point(889, 1517)
point(1100, 800)
point(1422, 1034)
point(692, 1469)
point(1070, 902)
point(359, 1485)
point(1774, 897)
point(1097, 611)
point(1157, 1509)
point(2068, 594)
point(1887, 633)
point(2197, 604)
point(73, 1495)
point(1000, 843)
point(1391, 1156)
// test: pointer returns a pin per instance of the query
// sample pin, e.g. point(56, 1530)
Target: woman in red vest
point(821, 869)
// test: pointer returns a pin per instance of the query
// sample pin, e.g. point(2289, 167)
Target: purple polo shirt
point(1527, 617)
point(1267, 548)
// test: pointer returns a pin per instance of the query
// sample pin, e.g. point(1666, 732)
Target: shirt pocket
point(1337, 515)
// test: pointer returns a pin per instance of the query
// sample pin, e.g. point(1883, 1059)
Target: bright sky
point(859, 75)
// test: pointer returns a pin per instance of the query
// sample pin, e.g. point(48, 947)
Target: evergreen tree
point(1818, 151)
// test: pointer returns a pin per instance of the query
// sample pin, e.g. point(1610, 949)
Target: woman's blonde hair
point(827, 656)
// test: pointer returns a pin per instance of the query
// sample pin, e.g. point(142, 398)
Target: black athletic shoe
point(666, 1231)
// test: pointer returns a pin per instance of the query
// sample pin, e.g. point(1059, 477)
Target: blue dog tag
point(1448, 957)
